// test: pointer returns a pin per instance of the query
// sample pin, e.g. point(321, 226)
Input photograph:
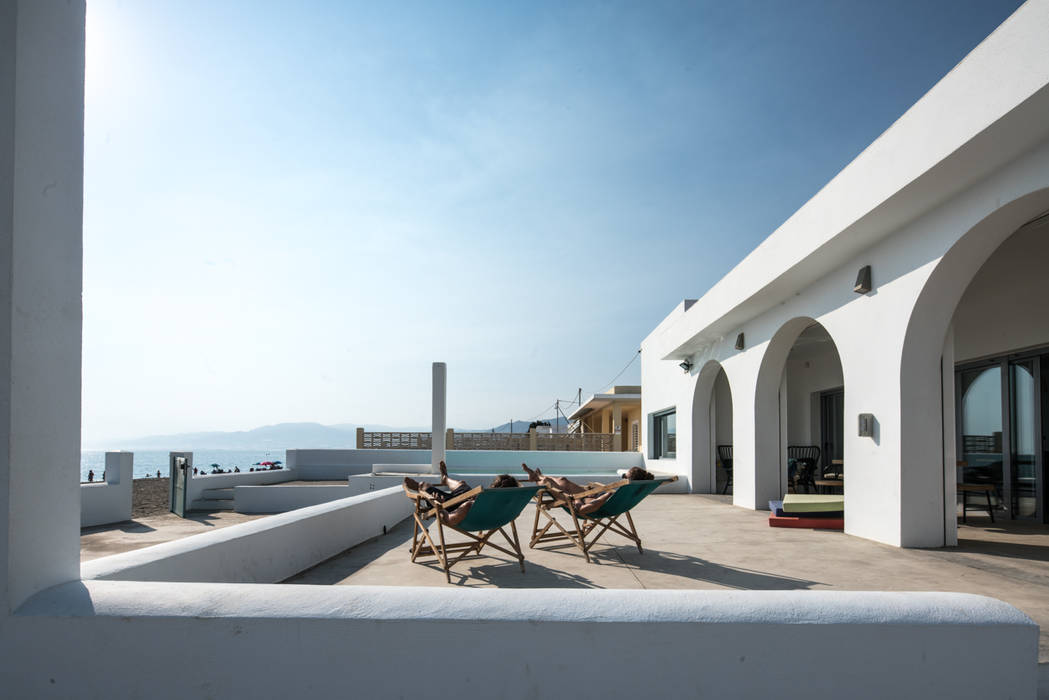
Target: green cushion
point(625, 497)
point(496, 507)
point(813, 503)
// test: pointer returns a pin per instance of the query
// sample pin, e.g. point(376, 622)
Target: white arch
point(927, 489)
point(770, 411)
point(703, 465)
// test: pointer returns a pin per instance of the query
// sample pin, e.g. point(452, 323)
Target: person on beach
point(90, 474)
point(451, 489)
point(587, 504)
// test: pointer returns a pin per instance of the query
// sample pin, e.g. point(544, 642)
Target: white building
point(948, 210)
point(926, 206)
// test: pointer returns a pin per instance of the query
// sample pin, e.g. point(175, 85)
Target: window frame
point(658, 448)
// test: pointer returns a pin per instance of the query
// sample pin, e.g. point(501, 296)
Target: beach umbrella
point(265, 464)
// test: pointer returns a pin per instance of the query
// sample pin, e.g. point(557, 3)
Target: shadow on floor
point(696, 569)
point(1010, 550)
point(507, 574)
point(204, 517)
point(125, 526)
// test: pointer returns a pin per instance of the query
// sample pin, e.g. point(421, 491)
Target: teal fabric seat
point(490, 510)
point(625, 498)
point(495, 508)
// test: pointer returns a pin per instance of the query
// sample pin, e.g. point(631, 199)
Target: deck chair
point(625, 495)
point(491, 511)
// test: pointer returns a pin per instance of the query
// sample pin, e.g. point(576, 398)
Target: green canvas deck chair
point(491, 511)
point(625, 495)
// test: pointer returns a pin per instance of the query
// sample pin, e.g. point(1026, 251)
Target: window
point(635, 436)
point(664, 433)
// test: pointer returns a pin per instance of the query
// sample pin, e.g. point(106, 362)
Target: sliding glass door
point(1002, 431)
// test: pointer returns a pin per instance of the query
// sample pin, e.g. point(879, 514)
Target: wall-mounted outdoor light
point(686, 365)
point(863, 280)
point(739, 341)
point(866, 425)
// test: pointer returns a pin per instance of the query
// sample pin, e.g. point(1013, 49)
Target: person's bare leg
point(533, 474)
point(451, 484)
point(562, 484)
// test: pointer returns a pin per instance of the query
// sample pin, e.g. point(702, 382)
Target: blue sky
point(291, 209)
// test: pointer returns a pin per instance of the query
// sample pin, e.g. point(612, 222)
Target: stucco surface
point(702, 542)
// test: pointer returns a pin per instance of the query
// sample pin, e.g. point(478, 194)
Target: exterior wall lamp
point(739, 341)
point(863, 280)
point(686, 365)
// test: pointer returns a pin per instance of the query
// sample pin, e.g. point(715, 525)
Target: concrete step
point(221, 494)
point(211, 504)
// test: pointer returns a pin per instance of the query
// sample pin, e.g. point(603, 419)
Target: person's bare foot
point(533, 474)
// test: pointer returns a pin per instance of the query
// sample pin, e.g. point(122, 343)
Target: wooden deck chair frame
point(583, 524)
point(423, 544)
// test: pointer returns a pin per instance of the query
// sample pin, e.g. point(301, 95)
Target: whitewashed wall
point(280, 498)
point(109, 501)
point(338, 464)
point(893, 488)
point(197, 485)
point(266, 550)
point(327, 641)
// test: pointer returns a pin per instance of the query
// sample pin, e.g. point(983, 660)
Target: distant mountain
point(280, 436)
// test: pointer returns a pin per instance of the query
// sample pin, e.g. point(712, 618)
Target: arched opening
point(712, 455)
point(799, 414)
point(978, 343)
point(1001, 353)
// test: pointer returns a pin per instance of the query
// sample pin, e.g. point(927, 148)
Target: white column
point(439, 422)
point(41, 215)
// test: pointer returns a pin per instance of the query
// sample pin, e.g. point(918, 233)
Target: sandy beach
point(150, 497)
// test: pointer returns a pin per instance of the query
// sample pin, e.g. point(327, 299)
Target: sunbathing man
point(587, 504)
point(455, 487)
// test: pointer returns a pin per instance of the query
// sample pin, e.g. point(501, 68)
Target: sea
point(147, 462)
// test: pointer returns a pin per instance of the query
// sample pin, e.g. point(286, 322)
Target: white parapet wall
point(266, 550)
point(339, 464)
point(280, 498)
point(337, 640)
point(197, 484)
point(109, 501)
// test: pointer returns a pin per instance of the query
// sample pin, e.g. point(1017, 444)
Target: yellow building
point(617, 413)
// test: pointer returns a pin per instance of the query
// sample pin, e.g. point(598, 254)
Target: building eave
point(991, 107)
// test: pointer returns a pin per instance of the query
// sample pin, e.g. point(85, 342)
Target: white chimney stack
point(439, 423)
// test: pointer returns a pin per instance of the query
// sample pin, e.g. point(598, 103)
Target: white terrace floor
point(700, 541)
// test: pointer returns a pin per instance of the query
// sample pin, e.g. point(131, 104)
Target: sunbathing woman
point(455, 487)
point(587, 504)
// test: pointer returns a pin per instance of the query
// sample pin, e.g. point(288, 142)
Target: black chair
point(807, 459)
point(725, 459)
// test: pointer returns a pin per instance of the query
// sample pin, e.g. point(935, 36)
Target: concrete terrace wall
point(337, 640)
point(267, 550)
point(280, 499)
point(197, 485)
point(109, 501)
point(339, 464)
